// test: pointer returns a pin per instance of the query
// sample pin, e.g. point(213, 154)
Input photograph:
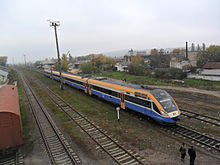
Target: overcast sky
point(96, 26)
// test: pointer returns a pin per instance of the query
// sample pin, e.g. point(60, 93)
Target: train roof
point(9, 99)
point(129, 85)
point(118, 82)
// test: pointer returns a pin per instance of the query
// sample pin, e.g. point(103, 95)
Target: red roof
point(212, 65)
point(9, 99)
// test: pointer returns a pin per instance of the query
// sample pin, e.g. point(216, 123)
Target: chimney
point(186, 50)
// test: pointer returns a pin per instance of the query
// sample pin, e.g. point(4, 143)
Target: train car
point(155, 103)
point(10, 121)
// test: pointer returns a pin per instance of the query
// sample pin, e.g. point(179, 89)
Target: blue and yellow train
point(155, 103)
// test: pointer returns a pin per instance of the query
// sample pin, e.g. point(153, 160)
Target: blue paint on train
point(74, 85)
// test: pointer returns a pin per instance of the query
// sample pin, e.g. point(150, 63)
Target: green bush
point(172, 73)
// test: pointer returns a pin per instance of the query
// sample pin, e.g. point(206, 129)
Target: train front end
point(168, 108)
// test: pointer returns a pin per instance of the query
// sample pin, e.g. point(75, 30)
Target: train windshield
point(165, 100)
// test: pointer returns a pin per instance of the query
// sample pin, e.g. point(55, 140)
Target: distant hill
point(121, 53)
point(117, 53)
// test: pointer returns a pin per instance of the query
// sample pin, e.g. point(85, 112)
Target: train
point(154, 103)
point(10, 120)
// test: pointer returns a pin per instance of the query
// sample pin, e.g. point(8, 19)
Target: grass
point(201, 84)
point(24, 115)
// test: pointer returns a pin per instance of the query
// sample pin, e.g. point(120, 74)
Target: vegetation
point(177, 50)
point(3, 60)
point(212, 53)
point(12, 76)
point(154, 51)
point(137, 66)
point(98, 64)
point(152, 80)
point(171, 73)
point(64, 62)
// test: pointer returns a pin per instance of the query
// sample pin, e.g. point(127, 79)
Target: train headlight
point(164, 113)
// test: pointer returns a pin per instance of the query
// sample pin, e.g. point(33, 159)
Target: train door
point(85, 87)
point(89, 88)
point(122, 103)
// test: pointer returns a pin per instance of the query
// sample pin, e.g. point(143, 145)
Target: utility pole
point(55, 24)
point(24, 60)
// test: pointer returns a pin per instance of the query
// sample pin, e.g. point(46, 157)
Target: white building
point(180, 64)
point(210, 71)
point(120, 67)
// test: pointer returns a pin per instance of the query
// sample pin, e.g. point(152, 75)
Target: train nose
point(177, 118)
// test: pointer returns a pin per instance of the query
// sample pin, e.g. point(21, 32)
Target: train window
point(74, 81)
point(138, 101)
point(107, 91)
point(155, 108)
point(148, 104)
point(116, 94)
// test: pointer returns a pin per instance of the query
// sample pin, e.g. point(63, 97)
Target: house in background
point(210, 71)
point(121, 67)
point(3, 76)
point(192, 57)
point(180, 64)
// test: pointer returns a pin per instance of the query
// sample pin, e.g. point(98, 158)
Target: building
point(211, 69)
point(3, 76)
point(192, 56)
point(120, 67)
point(130, 53)
point(180, 64)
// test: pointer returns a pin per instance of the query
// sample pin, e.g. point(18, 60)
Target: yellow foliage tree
point(154, 51)
point(177, 50)
point(64, 62)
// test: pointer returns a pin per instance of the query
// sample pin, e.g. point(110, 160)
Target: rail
point(58, 149)
point(204, 118)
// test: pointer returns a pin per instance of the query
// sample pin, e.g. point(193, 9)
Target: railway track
point(14, 159)
point(198, 137)
point(58, 149)
point(104, 142)
point(203, 118)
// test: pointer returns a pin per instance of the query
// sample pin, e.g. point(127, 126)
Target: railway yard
point(70, 127)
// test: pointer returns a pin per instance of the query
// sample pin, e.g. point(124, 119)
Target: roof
point(3, 73)
point(212, 65)
point(9, 99)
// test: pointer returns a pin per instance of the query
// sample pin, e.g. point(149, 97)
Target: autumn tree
point(212, 53)
point(154, 51)
point(64, 62)
point(103, 63)
point(88, 68)
point(137, 65)
point(3, 60)
point(177, 50)
point(97, 64)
